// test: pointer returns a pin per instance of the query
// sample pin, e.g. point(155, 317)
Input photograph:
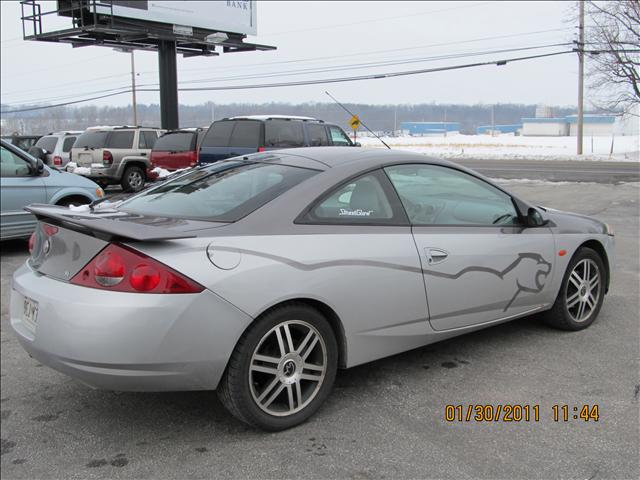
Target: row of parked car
point(132, 155)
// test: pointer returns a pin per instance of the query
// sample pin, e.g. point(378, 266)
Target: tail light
point(49, 231)
point(261, 149)
point(107, 158)
point(57, 160)
point(193, 158)
point(32, 242)
point(123, 269)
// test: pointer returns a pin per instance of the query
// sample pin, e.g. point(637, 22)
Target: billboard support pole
point(168, 84)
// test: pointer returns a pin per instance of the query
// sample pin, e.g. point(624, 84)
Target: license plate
point(30, 311)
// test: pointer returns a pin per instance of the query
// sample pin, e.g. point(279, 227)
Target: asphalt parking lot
point(383, 420)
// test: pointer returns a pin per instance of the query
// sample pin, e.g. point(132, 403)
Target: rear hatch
point(66, 240)
point(175, 150)
point(87, 149)
point(231, 138)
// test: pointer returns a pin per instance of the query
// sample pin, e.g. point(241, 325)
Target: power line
point(306, 71)
point(372, 76)
point(31, 109)
point(333, 57)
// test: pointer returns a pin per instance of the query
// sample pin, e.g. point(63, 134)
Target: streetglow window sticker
point(361, 199)
point(355, 213)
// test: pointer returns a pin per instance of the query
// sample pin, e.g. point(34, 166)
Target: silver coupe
point(260, 276)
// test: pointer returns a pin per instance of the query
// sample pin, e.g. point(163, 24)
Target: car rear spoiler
point(100, 225)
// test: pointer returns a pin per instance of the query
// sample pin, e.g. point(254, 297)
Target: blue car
point(25, 180)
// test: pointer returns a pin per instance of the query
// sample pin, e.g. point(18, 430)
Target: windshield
point(224, 192)
point(91, 139)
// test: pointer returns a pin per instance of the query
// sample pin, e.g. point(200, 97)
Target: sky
point(319, 35)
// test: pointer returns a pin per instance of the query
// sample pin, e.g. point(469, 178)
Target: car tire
point(133, 179)
point(268, 384)
point(581, 293)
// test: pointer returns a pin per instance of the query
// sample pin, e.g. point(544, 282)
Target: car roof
point(332, 157)
point(70, 132)
point(272, 117)
point(119, 127)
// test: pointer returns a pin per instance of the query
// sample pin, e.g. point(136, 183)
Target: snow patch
point(510, 147)
point(79, 208)
point(162, 173)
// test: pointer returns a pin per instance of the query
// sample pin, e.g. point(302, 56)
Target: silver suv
point(115, 155)
point(53, 149)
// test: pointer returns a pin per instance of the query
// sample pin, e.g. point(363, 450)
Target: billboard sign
point(236, 16)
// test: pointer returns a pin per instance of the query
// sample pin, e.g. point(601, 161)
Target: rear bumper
point(126, 341)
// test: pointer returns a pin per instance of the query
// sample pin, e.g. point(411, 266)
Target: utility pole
point(492, 120)
point(133, 90)
point(580, 77)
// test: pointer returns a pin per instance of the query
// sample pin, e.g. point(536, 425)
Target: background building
point(594, 125)
point(515, 128)
point(421, 129)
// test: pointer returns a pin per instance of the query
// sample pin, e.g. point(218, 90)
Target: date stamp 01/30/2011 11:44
point(520, 413)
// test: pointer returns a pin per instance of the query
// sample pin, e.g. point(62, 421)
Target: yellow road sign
point(354, 122)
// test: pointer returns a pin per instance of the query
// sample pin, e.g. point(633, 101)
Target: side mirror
point(535, 218)
point(37, 152)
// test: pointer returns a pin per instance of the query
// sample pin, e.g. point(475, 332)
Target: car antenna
point(353, 115)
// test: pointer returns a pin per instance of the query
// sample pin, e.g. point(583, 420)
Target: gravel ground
point(384, 419)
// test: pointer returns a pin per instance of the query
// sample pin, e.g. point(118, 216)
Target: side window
point(338, 137)
point(283, 133)
point(362, 200)
point(435, 195)
point(120, 139)
point(11, 165)
point(218, 134)
point(246, 134)
point(68, 144)
point(147, 139)
point(317, 135)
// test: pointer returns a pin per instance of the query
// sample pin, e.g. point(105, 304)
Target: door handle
point(143, 154)
point(435, 255)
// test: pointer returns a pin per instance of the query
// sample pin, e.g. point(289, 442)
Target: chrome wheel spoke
point(580, 310)
point(309, 347)
point(280, 341)
point(575, 279)
point(573, 299)
point(594, 282)
point(590, 301)
point(311, 366)
point(276, 392)
point(269, 388)
point(292, 403)
point(287, 334)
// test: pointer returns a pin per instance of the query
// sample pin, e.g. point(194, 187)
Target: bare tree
point(613, 35)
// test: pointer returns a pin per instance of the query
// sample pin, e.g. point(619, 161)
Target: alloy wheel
point(583, 290)
point(135, 180)
point(287, 368)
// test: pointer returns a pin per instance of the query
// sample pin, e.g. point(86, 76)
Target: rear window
point(67, 145)
point(47, 143)
point(218, 134)
point(91, 139)
point(120, 139)
point(283, 134)
point(175, 142)
point(224, 192)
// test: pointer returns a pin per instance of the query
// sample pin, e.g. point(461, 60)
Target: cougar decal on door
point(529, 272)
